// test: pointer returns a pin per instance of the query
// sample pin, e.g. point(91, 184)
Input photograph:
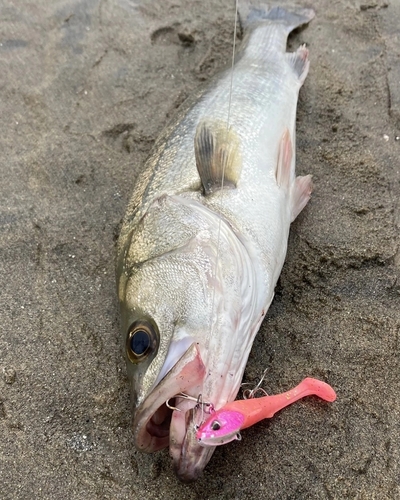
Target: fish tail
point(289, 20)
point(266, 33)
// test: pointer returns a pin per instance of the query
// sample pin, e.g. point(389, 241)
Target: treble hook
point(198, 401)
point(173, 408)
point(205, 407)
point(251, 393)
point(180, 395)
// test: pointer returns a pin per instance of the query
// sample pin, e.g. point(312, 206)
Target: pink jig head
point(225, 424)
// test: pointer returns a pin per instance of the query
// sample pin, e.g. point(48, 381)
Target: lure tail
point(259, 408)
point(224, 425)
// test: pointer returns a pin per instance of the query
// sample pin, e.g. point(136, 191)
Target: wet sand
point(85, 88)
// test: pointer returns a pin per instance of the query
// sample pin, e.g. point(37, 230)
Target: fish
point(205, 236)
point(225, 424)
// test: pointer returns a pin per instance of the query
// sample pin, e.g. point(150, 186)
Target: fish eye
point(215, 426)
point(142, 340)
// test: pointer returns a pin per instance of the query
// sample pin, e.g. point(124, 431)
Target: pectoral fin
point(301, 187)
point(283, 168)
point(301, 192)
point(218, 159)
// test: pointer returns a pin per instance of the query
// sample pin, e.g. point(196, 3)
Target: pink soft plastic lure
point(224, 424)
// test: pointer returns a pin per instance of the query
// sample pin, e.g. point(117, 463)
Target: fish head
point(180, 317)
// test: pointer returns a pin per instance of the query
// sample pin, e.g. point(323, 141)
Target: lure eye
point(215, 426)
point(141, 341)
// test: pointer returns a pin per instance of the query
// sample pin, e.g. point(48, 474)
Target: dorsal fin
point(217, 152)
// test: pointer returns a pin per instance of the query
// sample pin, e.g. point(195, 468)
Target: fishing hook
point(251, 393)
point(209, 406)
point(173, 408)
point(205, 407)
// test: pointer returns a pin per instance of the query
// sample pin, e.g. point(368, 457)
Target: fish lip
point(189, 471)
point(186, 375)
point(193, 458)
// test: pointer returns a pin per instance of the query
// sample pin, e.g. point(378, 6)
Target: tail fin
point(289, 19)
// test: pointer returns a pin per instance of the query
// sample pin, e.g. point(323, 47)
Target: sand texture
point(85, 88)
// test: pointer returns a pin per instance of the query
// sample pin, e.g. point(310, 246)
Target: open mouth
point(155, 424)
point(158, 425)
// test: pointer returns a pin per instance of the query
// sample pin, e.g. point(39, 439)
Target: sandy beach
point(86, 86)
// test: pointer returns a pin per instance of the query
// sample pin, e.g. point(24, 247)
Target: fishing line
point(224, 163)
point(233, 62)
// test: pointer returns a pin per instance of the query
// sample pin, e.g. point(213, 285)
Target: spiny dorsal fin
point(217, 152)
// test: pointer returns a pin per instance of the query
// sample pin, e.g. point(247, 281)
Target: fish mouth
point(156, 425)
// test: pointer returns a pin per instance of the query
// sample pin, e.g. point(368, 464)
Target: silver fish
point(204, 239)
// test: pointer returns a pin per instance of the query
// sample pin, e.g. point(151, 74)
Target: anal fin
point(218, 159)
